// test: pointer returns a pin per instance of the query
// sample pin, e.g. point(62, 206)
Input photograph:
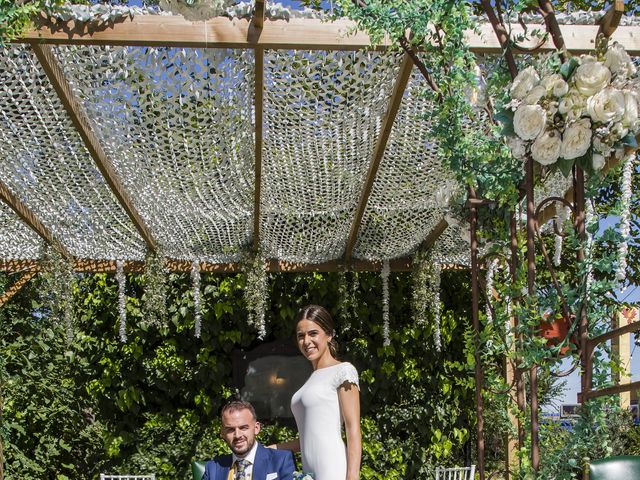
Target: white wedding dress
point(317, 412)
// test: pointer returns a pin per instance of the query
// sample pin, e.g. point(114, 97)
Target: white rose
point(572, 104)
point(630, 117)
point(535, 95)
point(555, 85)
point(598, 161)
point(518, 147)
point(576, 139)
point(524, 83)
point(546, 149)
point(591, 77)
point(618, 61)
point(619, 130)
point(529, 121)
point(606, 106)
point(601, 146)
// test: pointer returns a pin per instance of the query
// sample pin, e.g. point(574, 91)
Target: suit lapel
point(260, 464)
point(225, 466)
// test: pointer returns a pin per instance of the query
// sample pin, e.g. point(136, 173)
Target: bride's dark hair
point(320, 316)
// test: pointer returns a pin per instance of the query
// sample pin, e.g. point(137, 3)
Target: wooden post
point(621, 349)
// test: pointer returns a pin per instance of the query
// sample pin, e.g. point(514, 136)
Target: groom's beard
point(243, 447)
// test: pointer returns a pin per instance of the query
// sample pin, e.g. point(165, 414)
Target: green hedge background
point(95, 405)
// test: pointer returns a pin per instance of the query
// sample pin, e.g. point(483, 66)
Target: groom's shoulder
point(277, 454)
point(222, 460)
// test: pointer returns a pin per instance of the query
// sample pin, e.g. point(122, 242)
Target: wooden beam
point(17, 285)
point(31, 219)
point(378, 152)
point(258, 13)
point(258, 108)
point(627, 387)
point(273, 265)
point(435, 234)
point(296, 33)
point(81, 122)
point(609, 21)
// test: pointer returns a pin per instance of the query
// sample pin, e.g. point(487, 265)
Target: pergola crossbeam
point(17, 286)
point(296, 34)
point(378, 152)
point(28, 217)
point(184, 266)
point(71, 104)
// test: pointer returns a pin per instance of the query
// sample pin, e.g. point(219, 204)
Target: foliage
point(155, 296)
point(152, 404)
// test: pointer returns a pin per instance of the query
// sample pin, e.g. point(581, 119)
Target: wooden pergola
point(258, 34)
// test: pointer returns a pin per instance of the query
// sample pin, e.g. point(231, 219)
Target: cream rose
point(630, 117)
point(535, 95)
point(524, 83)
point(597, 161)
point(606, 106)
point(555, 85)
point(572, 104)
point(576, 139)
point(529, 121)
point(591, 77)
point(618, 60)
point(518, 147)
point(546, 149)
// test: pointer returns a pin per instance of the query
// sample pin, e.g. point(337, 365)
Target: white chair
point(455, 473)
point(104, 476)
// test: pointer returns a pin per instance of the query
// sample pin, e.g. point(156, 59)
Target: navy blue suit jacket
point(267, 461)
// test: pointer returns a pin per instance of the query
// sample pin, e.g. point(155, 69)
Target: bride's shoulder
point(345, 373)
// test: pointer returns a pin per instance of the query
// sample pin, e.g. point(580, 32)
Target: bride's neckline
point(328, 366)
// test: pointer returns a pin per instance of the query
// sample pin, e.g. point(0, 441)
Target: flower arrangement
point(577, 112)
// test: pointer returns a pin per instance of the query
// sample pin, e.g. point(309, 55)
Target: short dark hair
point(236, 405)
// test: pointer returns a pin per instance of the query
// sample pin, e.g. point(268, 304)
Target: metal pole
point(513, 268)
point(531, 280)
point(475, 309)
point(580, 226)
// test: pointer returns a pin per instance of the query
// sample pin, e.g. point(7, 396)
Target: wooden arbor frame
point(258, 34)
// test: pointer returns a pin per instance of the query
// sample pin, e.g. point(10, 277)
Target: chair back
point(455, 473)
point(197, 469)
point(104, 476)
point(625, 467)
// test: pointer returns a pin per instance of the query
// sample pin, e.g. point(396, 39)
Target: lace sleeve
point(346, 373)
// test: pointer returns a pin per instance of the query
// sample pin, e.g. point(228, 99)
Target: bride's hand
point(273, 445)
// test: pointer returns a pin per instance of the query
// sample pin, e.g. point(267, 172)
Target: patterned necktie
point(241, 469)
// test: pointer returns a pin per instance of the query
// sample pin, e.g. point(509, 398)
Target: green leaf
point(630, 140)
point(564, 166)
point(567, 68)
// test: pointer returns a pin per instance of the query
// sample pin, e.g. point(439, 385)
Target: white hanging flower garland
point(625, 216)
point(562, 215)
point(384, 273)
point(195, 281)
point(588, 219)
point(435, 288)
point(122, 311)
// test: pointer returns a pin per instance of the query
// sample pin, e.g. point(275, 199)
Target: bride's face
point(313, 341)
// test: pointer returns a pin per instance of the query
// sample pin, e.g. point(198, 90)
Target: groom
point(250, 459)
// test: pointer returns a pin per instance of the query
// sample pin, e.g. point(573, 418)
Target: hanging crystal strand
point(437, 270)
point(122, 311)
point(491, 270)
point(588, 219)
point(562, 214)
point(195, 281)
point(385, 302)
point(623, 248)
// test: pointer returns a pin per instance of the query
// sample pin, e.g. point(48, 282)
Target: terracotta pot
point(556, 331)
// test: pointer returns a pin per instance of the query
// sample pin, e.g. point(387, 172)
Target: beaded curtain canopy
point(186, 129)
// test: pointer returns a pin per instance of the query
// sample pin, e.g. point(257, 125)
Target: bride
point(328, 399)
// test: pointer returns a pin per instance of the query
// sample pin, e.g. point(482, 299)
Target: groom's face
point(239, 430)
